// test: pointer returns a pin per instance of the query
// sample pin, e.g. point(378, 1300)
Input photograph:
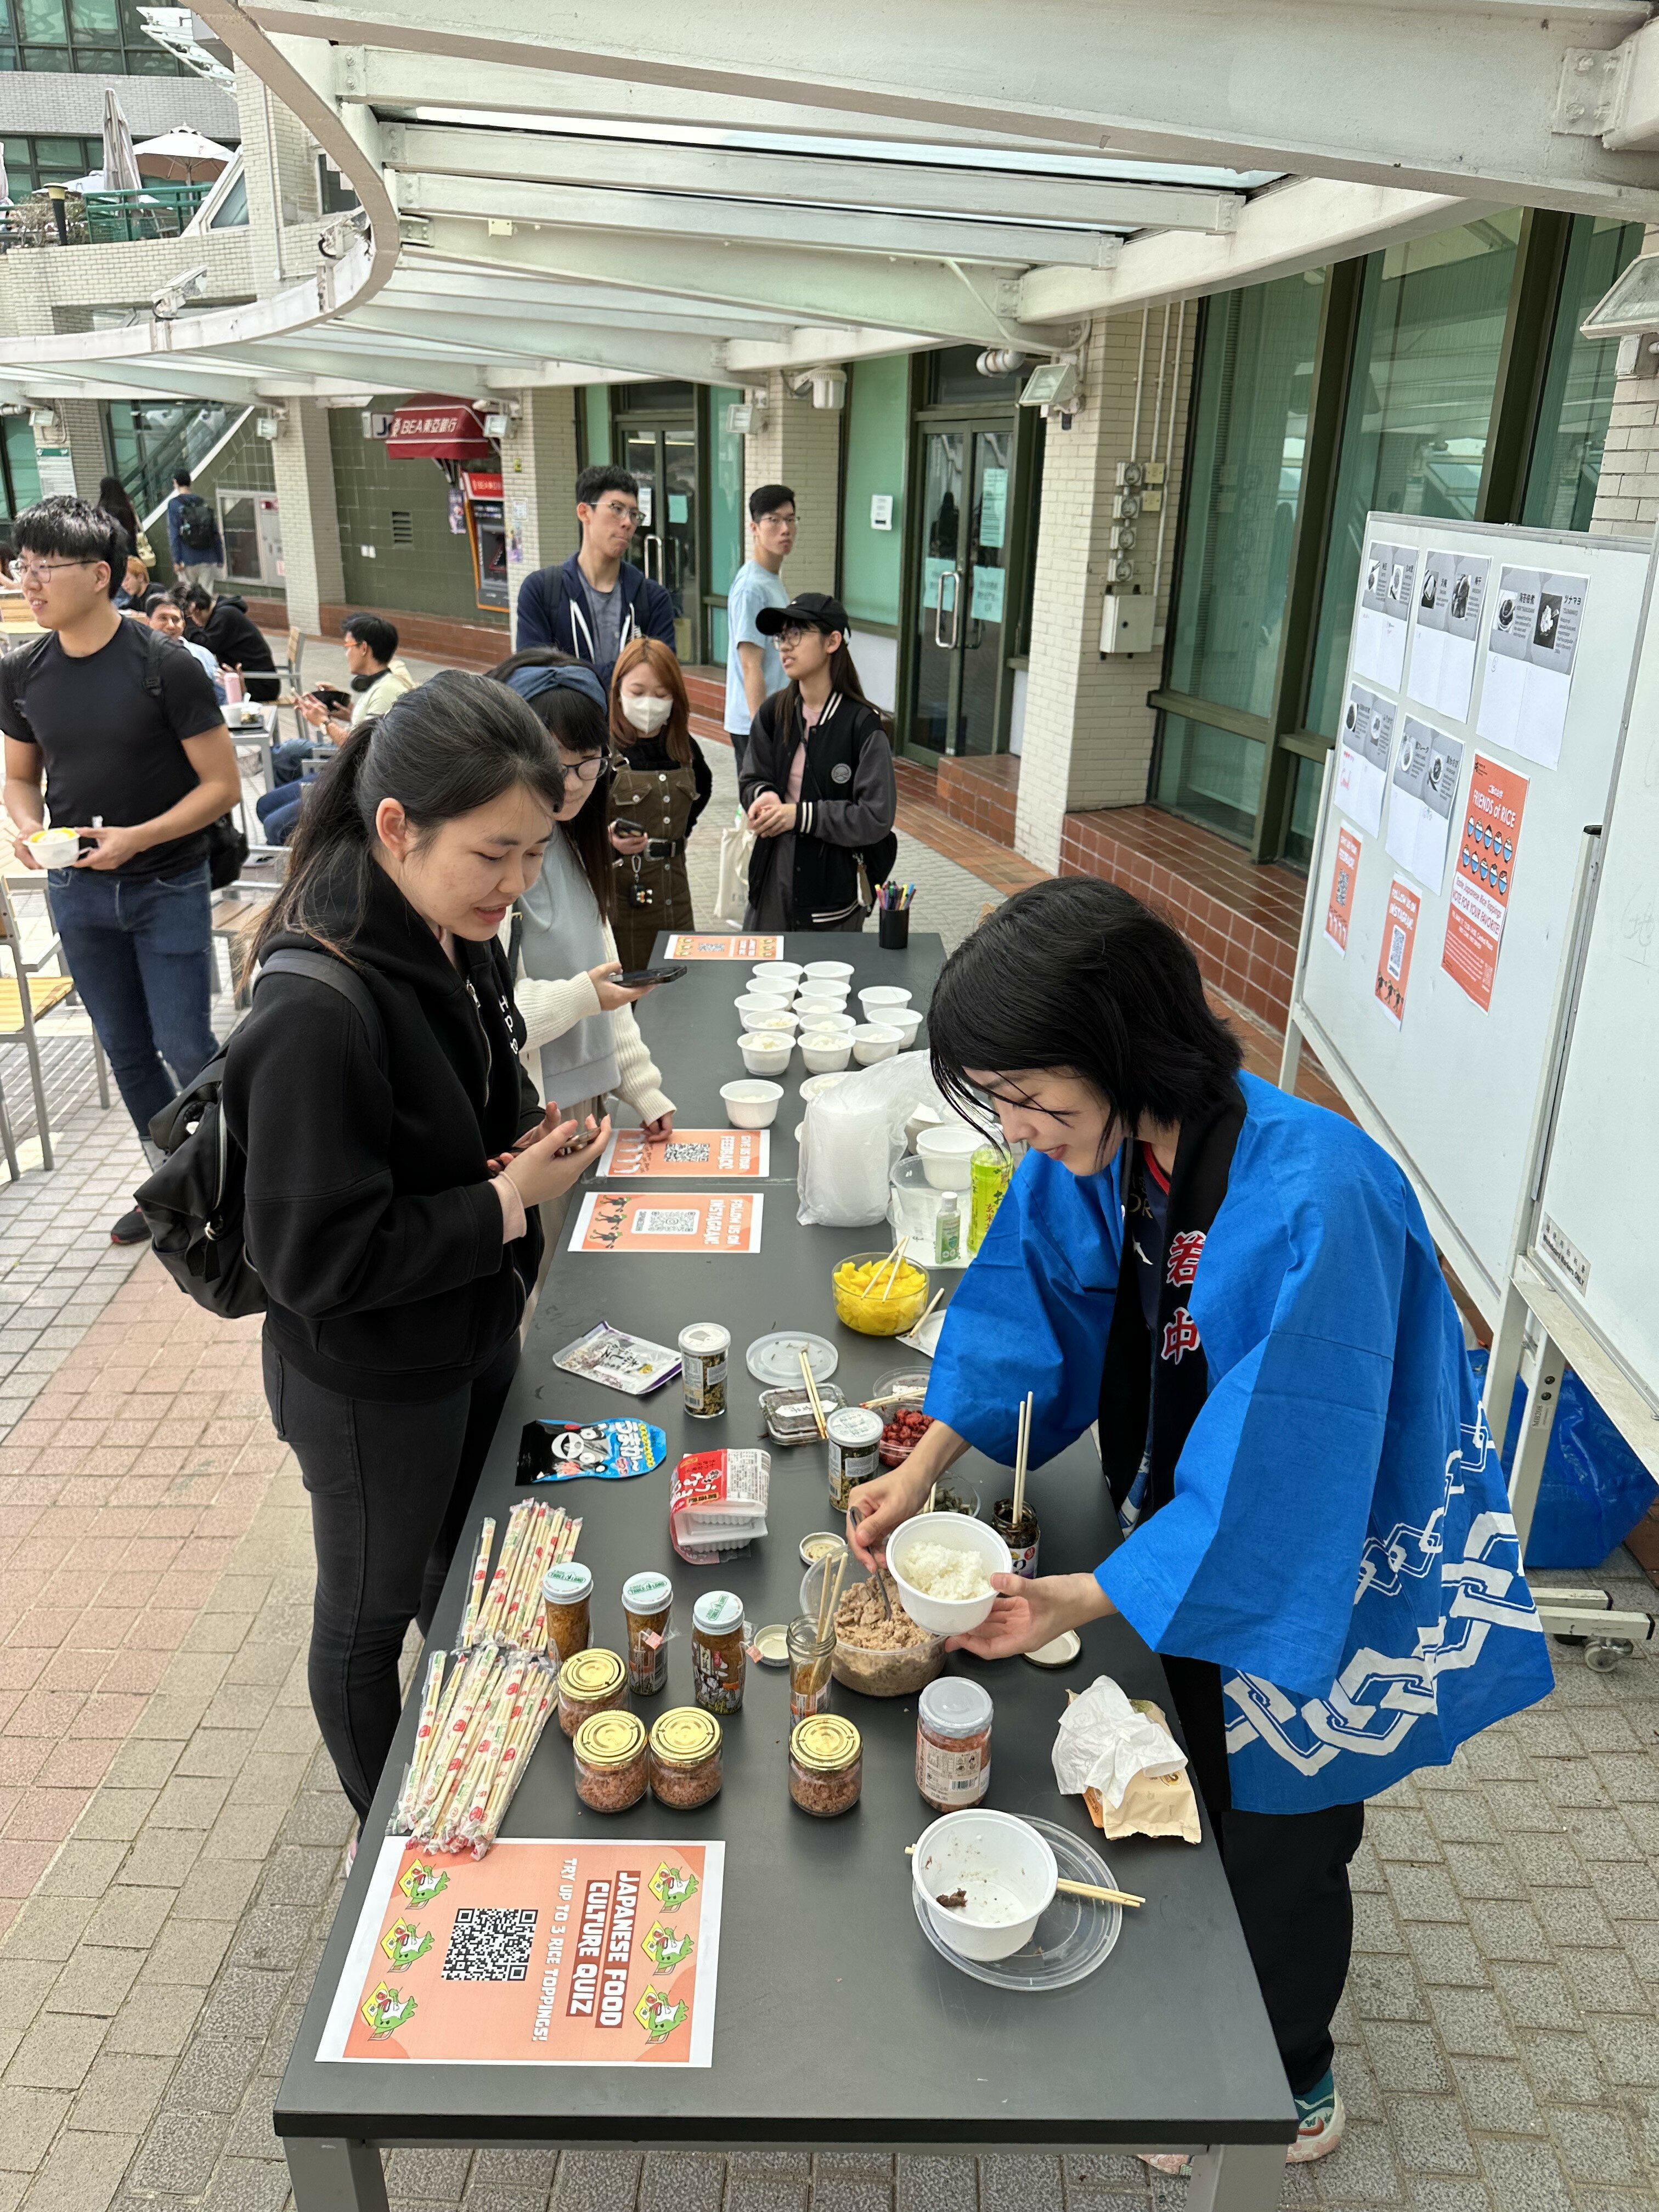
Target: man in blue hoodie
point(596, 602)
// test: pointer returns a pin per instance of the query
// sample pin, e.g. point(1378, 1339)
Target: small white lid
point(952, 1705)
point(718, 1609)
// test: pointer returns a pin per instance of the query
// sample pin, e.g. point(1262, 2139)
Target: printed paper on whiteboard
point(1385, 606)
point(1450, 602)
point(1421, 804)
point(1485, 878)
point(1339, 907)
point(612, 1221)
point(1393, 958)
point(1530, 649)
point(1362, 771)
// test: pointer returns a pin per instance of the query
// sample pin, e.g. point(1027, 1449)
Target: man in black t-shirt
point(136, 758)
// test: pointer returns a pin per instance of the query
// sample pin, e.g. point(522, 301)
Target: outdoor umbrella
point(179, 156)
point(121, 169)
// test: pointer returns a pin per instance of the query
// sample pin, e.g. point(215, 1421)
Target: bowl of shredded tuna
point(943, 1563)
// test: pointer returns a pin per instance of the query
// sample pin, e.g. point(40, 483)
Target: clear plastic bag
point(852, 1136)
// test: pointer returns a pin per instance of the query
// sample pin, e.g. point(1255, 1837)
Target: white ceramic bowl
point(828, 971)
point(947, 1616)
point(825, 1052)
point(1007, 1870)
point(816, 1085)
point(878, 997)
point(757, 1018)
point(947, 1154)
point(776, 972)
point(751, 1104)
point(907, 1020)
point(55, 848)
point(872, 1041)
point(766, 1053)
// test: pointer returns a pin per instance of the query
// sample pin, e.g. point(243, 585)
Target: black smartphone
point(634, 979)
point(630, 829)
point(336, 702)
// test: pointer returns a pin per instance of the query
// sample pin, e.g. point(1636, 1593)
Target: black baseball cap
point(806, 611)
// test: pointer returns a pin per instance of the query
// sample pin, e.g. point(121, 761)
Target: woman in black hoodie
point(393, 1179)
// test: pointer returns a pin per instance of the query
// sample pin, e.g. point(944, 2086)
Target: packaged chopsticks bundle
point(482, 1715)
point(505, 1609)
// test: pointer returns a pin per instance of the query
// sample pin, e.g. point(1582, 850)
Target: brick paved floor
point(175, 1835)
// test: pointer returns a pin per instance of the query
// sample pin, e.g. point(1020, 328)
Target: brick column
point(1627, 491)
point(303, 458)
point(538, 483)
point(799, 444)
point(1088, 733)
point(83, 433)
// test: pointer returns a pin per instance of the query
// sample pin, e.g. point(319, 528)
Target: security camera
point(342, 234)
point(164, 305)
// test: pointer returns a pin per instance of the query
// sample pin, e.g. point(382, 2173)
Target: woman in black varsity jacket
point(818, 779)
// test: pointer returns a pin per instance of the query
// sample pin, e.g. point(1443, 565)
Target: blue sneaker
point(1321, 2116)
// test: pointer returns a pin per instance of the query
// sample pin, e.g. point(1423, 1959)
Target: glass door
point(962, 605)
point(663, 459)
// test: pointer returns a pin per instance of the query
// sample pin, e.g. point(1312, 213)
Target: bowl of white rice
point(943, 1563)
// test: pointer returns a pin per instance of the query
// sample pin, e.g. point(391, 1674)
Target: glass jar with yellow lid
point(611, 1761)
point(685, 1758)
point(826, 1765)
point(593, 1681)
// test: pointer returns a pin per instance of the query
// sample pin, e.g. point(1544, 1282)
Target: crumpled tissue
point(1103, 1743)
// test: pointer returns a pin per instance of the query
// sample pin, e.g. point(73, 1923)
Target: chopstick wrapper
point(1122, 1760)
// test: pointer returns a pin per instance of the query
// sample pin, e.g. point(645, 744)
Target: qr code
point(490, 1943)
point(666, 1221)
point(686, 1155)
point(1396, 952)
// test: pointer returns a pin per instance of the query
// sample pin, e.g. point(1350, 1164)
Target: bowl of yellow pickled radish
point(878, 1295)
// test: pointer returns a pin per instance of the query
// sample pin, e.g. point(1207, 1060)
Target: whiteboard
point(1458, 1091)
point(1596, 1239)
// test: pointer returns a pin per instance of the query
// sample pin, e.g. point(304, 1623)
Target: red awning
point(433, 426)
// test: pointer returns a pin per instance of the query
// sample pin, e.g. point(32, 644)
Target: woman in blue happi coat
point(1240, 1286)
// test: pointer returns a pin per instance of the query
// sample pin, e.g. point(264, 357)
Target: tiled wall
point(432, 576)
point(984, 794)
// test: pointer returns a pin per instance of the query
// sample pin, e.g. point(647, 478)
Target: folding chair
point(25, 996)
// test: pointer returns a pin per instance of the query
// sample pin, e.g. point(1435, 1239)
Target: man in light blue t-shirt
point(753, 669)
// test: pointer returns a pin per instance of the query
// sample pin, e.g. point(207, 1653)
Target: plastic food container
point(907, 1020)
point(766, 1054)
point(947, 1154)
point(826, 1765)
point(590, 1682)
point(788, 1411)
point(55, 848)
point(611, 1761)
point(752, 1017)
point(876, 998)
point(896, 1669)
point(879, 1300)
point(874, 1041)
point(685, 1759)
point(819, 1002)
point(836, 971)
point(566, 1591)
point(777, 973)
point(757, 1000)
point(816, 1085)
point(825, 1052)
point(751, 1104)
point(950, 1616)
point(1004, 1870)
point(953, 1743)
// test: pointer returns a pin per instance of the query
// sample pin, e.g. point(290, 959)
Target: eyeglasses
point(588, 769)
point(777, 521)
point(29, 570)
point(630, 515)
point(793, 633)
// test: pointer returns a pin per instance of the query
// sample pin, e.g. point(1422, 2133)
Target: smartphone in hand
point(635, 978)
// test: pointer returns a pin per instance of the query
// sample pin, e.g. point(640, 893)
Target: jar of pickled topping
point(685, 1759)
point(703, 1347)
point(1022, 1541)
point(826, 1765)
point(566, 1591)
point(612, 1761)
point(809, 1656)
point(590, 1682)
point(647, 1601)
point(854, 1441)
point(718, 1659)
point(953, 1743)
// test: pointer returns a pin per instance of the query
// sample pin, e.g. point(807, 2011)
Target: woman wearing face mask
point(390, 1217)
point(579, 1023)
point(662, 782)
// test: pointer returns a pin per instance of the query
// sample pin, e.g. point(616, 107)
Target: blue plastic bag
point(1594, 1489)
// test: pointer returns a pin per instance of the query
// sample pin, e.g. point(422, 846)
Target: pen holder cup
point(893, 927)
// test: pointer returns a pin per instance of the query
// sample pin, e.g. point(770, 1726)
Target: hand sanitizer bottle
point(947, 1230)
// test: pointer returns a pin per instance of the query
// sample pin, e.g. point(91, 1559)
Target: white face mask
point(647, 711)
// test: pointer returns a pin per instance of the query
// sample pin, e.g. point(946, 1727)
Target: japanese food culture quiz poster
point(542, 1954)
point(681, 1221)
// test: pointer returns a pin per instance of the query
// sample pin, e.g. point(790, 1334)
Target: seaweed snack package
point(718, 1504)
point(611, 1450)
point(1119, 1753)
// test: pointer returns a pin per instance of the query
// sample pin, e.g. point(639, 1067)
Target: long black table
point(838, 2026)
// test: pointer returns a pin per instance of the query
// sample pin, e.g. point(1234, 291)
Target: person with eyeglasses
point(123, 728)
point(580, 1031)
point(753, 669)
point(598, 601)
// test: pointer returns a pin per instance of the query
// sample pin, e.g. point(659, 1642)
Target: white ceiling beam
point(927, 238)
point(687, 319)
point(1453, 96)
point(1304, 225)
point(802, 180)
point(543, 336)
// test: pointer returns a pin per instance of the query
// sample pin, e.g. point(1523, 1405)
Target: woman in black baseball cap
point(818, 779)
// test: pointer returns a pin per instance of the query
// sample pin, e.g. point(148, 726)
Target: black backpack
point(197, 530)
point(193, 1204)
point(226, 845)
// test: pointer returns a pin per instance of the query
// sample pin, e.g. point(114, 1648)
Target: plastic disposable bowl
point(765, 1053)
point(777, 971)
point(830, 971)
point(751, 1104)
point(809, 1005)
point(825, 1052)
point(761, 994)
point(890, 1301)
point(873, 1670)
point(1006, 1871)
point(878, 997)
point(907, 1020)
point(816, 1085)
point(839, 1025)
point(947, 1154)
point(950, 1616)
point(873, 1041)
point(770, 1023)
point(55, 848)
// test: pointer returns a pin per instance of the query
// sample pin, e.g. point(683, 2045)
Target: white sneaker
point(1323, 2115)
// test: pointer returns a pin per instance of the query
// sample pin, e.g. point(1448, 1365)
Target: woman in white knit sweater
point(579, 1024)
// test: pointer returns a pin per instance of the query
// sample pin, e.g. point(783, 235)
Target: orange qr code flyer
point(1393, 958)
point(690, 947)
point(1480, 902)
point(686, 1221)
point(540, 1955)
point(745, 1154)
point(1339, 910)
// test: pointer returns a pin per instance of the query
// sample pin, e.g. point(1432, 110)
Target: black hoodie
point(370, 1217)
